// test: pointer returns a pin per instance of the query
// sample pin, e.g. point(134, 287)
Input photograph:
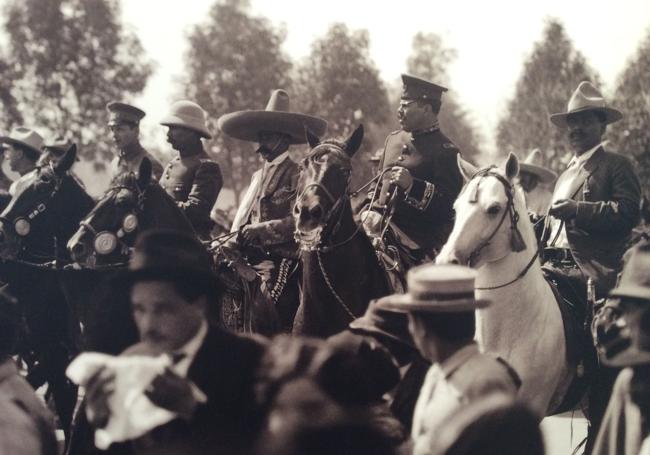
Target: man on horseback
point(192, 178)
point(264, 221)
point(124, 123)
point(594, 207)
point(418, 184)
point(23, 147)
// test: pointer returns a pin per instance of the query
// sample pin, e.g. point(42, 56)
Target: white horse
point(523, 325)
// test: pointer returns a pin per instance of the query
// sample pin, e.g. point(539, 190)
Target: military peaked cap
point(123, 113)
point(414, 88)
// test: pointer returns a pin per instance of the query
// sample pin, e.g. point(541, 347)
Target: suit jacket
point(620, 431)
point(122, 163)
point(224, 369)
point(608, 194)
point(194, 182)
point(426, 213)
point(26, 426)
point(465, 377)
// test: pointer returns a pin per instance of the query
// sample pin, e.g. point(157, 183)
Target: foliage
point(69, 58)
point(550, 75)
point(631, 135)
point(234, 62)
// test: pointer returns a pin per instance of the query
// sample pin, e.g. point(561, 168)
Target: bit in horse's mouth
point(309, 240)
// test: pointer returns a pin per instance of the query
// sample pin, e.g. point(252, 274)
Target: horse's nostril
point(316, 212)
point(454, 261)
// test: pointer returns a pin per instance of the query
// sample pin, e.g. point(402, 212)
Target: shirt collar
point(190, 348)
point(582, 159)
point(451, 364)
point(278, 159)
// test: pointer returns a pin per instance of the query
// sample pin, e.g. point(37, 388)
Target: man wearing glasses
point(412, 205)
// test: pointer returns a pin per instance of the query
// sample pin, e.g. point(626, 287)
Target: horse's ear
point(511, 166)
point(144, 173)
point(312, 139)
point(353, 143)
point(66, 161)
point(467, 169)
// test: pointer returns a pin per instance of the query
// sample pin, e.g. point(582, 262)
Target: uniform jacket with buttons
point(122, 164)
point(426, 213)
point(194, 182)
point(608, 194)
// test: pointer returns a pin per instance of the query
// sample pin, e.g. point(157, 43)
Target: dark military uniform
point(131, 163)
point(194, 182)
point(426, 213)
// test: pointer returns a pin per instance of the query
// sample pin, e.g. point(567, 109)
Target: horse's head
point(33, 213)
point(106, 234)
point(487, 215)
point(322, 187)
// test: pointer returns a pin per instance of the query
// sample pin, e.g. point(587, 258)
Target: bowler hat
point(187, 114)
point(123, 113)
point(168, 255)
point(587, 98)
point(635, 278)
point(24, 137)
point(437, 288)
point(415, 88)
point(533, 164)
point(276, 118)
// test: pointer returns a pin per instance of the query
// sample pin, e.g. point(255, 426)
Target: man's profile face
point(14, 156)
point(165, 319)
point(270, 145)
point(411, 115)
point(528, 181)
point(181, 138)
point(585, 130)
point(124, 135)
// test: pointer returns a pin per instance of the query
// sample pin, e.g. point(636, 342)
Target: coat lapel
point(585, 172)
point(274, 176)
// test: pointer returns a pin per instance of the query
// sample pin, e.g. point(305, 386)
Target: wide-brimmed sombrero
point(276, 118)
point(436, 288)
point(587, 98)
point(533, 165)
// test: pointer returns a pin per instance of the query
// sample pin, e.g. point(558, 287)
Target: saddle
point(576, 319)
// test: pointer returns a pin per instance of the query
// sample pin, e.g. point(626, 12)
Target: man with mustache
point(264, 220)
point(595, 205)
point(192, 178)
point(419, 180)
point(124, 123)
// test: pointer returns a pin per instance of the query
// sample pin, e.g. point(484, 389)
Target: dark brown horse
point(34, 228)
point(341, 272)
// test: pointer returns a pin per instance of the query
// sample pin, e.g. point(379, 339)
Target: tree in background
point(631, 135)
point(233, 63)
point(9, 114)
point(550, 75)
point(69, 58)
point(339, 82)
point(430, 60)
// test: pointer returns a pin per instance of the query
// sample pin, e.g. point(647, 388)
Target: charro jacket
point(608, 194)
point(194, 182)
point(426, 213)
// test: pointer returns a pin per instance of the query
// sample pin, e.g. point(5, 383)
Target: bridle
point(105, 242)
point(517, 242)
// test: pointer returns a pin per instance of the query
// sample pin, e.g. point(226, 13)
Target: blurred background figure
point(536, 180)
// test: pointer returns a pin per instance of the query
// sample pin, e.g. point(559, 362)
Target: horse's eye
point(493, 209)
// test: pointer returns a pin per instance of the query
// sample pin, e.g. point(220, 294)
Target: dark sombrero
point(276, 118)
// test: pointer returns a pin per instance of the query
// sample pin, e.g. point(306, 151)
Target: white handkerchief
point(132, 413)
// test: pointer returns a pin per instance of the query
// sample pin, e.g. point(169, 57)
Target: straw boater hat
point(187, 114)
point(632, 346)
point(587, 98)
point(24, 137)
point(276, 118)
point(533, 164)
point(436, 288)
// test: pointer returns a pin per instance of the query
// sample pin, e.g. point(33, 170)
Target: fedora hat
point(632, 346)
point(587, 98)
point(382, 322)
point(187, 114)
point(635, 278)
point(24, 137)
point(533, 164)
point(168, 255)
point(436, 288)
point(276, 118)
point(58, 147)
